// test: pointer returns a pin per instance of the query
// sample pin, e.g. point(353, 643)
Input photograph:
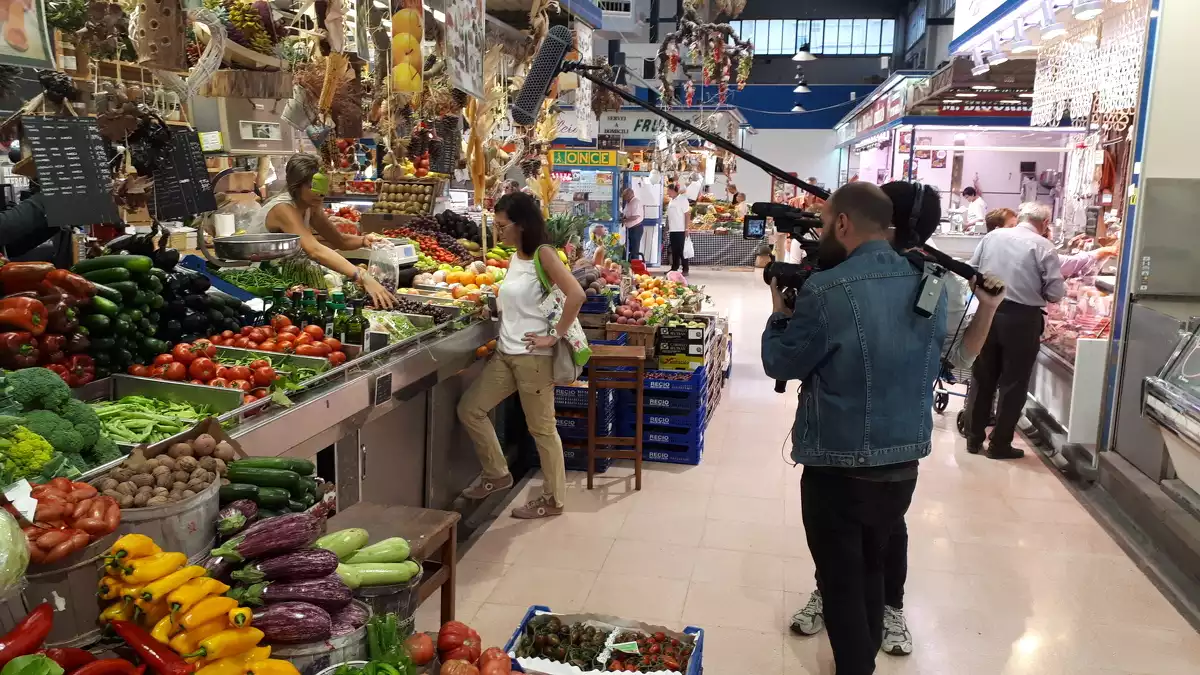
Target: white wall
point(808, 152)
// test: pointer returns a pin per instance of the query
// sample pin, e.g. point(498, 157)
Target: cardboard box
point(680, 347)
point(681, 362)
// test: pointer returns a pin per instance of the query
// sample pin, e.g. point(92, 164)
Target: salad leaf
point(32, 664)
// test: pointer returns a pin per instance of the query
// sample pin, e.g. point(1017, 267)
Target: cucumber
point(266, 497)
point(302, 467)
point(135, 315)
point(153, 346)
point(133, 263)
point(108, 293)
point(109, 275)
point(101, 305)
point(295, 506)
point(97, 324)
point(161, 274)
point(236, 491)
point(277, 478)
point(102, 344)
point(310, 485)
point(127, 289)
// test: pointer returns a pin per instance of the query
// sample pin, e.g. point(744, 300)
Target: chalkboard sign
point(72, 170)
point(181, 184)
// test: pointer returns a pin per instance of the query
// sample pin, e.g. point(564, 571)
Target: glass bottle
point(355, 332)
point(308, 310)
point(337, 305)
point(324, 312)
point(277, 304)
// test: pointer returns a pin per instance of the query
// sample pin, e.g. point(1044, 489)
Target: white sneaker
point(810, 620)
point(897, 641)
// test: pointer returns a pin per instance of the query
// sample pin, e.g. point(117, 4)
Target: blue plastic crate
point(576, 427)
point(665, 418)
point(673, 454)
point(679, 402)
point(695, 664)
point(597, 304)
point(665, 380)
point(198, 264)
point(621, 340)
point(575, 459)
point(669, 435)
point(576, 398)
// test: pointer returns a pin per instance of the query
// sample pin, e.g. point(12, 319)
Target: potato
point(141, 499)
point(180, 450)
point(225, 452)
point(160, 470)
point(142, 479)
point(157, 500)
point(127, 488)
point(181, 475)
point(164, 480)
point(167, 461)
point(204, 445)
point(221, 467)
point(107, 484)
point(188, 464)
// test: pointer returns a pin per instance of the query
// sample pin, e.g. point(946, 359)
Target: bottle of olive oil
point(355, 332)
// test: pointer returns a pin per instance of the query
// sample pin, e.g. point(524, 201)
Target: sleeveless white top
point(258, 223)
point(518, 302)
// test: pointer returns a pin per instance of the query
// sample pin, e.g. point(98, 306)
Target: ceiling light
point(1090, 38)
point(1052, 28)
point(1025, 95)
point(804, 54)
point(983, 87)
point(966, 94)
point(802, 88)
point(439, 16)
point(1012, 100)
point(1086, 10)
point(981, 66)
point(380, 4)
point(997, 56)
point(798, 108)
point(1020, 44)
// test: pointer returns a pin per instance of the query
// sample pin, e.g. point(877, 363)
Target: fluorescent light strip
point(993, 148)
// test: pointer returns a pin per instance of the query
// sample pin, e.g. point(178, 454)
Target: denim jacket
point(866, 359)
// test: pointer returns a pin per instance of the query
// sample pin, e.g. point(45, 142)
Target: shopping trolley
point(949, 376)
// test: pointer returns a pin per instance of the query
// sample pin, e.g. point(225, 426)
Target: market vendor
point(300, 209)
point(25, 233)
point(593, 248)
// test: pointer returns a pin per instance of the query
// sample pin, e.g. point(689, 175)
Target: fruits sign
point(408, 29)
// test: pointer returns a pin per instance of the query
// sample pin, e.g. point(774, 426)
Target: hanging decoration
point(724, 57)
point(159, 35)
point(208, 61)
point(408, 30)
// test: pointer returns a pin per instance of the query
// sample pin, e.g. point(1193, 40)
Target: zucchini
point(310, 485)
point(343, 542)
point(295, 506)
point(160, 274)
point(109, 275)
point(101, 305)
point(108, 293)
point(102, 344)
point(122, 325)
point(302, 467)
point(153, 346)
point(263, 514)
point(98, 324)
point(135, 315)
point(264, 497)
point(128, 289)
point(276, 478)
point(133, 263)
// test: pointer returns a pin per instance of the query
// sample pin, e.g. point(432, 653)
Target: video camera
point(801, 225)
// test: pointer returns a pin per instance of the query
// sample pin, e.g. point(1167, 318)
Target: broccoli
point(38, 389)
point(104, 451)
point(84, 419)
point(24, 453)
point(58, 431)
point(62, 465)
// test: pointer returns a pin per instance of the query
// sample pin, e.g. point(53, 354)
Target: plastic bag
point(384, 265)
point(14, 552)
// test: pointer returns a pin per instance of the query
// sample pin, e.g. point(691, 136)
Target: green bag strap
point(541, 271)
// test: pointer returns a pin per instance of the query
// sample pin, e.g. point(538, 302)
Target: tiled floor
point(1007, 572)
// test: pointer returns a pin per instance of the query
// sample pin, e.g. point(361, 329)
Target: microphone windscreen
point(542, 71)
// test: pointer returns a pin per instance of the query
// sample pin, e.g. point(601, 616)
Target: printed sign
point(25, 41)
point(583, 157)
point(464, 45)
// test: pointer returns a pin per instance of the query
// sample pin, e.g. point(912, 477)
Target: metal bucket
point(398, 599)
point(12, 607)
point(316, 657)
point(188, 525)
point(70, 587)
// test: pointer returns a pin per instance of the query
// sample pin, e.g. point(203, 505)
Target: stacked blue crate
point(674, 416)
point(570, 407)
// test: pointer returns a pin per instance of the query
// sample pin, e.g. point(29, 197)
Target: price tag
point(18, 494)
point(627, 647)
point(383, 389)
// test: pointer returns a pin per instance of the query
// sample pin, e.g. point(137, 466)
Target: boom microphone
point(542, 71)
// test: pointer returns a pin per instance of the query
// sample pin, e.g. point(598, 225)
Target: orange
point(466, 278)
point(453, 277)
point(481, 352)
point(491, 344)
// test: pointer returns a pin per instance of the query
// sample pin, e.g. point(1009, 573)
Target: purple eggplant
point(218, 568)
point(309, 563)
point(293, 622)
point(235, 516)
point(339, 629)
point(354, 615)
point(330, 593)
point(285, 533)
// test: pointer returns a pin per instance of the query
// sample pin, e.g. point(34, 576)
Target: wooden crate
point(639, 336)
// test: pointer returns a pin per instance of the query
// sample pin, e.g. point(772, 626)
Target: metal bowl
point(256, 247)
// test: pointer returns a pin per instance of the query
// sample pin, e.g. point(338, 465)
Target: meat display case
point(1171, 400)
point(1083, 313)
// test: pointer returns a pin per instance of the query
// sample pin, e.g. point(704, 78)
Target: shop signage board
point(971, 108)
point(638, 124)
point(72, 169)
point(583, 157)
point(464, 45)
point(182, 187)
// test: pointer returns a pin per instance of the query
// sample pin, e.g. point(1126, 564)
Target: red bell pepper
point(81, 369)
point(23, 276)
point(18, 349)
point(69, 658)
point(155, 654)
point(71, 283)
point(60, 317)
point(77, 343)
point(23, 313)
point(59, 369)
point(27, 636)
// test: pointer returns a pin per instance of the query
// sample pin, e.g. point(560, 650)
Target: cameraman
point(868, 361)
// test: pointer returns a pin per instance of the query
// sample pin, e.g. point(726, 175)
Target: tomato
point(247, 398)
point(420, 648)
point(222, 371)
point(307, 350)
point(322, 348)
point(493, 657)
point(285, 337)
point(257, 335)
point(335, 344)
point(204, 348)
point(279, 322)
point(240, 373)
point(218, 382)
point(268, 330)
point(269, 346)
point(203, 368)
point(304, 339)
point(458, 667)
point(337, 358)
point(259, 363)
point(183, 353)
point(240, 384)
point(176, 371)
point(139, 371)
point(197, 381)
point(315, 331)
point(496, 667)
point(292, 330)
point(286, 347)
point(260, 392)
point(458, 641)
point(215, 339)
point(251, 345)
point(246, 330)
point(241, 343)
point(226, 334)
point(264, 376)
point(163, 359)
point(158, 371)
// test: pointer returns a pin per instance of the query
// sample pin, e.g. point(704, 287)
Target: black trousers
point(633, 243)
point(676, 240)
point(849, 522)
point(1005, 363)
point(895, 567)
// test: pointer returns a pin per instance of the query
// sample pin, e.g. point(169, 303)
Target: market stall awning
point(1004, 89)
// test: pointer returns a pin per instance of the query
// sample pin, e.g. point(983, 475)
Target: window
point(835, 37)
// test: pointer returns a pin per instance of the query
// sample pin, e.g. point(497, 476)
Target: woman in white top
point(299, 210)
point(523, 362)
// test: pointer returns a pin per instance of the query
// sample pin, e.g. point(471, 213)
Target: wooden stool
point(602, 374)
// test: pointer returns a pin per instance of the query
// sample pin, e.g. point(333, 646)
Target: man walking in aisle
point(867, 359)
point(631, 217)
point(678, 210)
point(1030, 268)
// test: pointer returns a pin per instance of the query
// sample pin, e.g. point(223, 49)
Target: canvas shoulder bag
point(572, 351)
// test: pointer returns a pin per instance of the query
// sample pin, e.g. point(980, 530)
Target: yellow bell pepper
point(118, 611)
point(153, 613)
point(207, 610)
point(157, 590)
point(226, 643)
point(130, 593)
point(132, 546)
point(272, 667)
point(240, 617)
point(181, 599)
point(189, 640)
point(165, 629)
point(109, 588)
point(151, 568)
point(236, 664)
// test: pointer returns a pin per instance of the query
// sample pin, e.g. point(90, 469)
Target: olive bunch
point(548, 637)
point(439, 313)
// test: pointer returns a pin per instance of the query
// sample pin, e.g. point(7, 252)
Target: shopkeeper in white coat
point(678, 211)
point(976, 220)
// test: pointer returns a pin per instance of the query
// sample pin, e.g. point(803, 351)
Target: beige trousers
point(531, 377)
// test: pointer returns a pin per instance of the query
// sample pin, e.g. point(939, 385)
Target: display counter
point(956, 244)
